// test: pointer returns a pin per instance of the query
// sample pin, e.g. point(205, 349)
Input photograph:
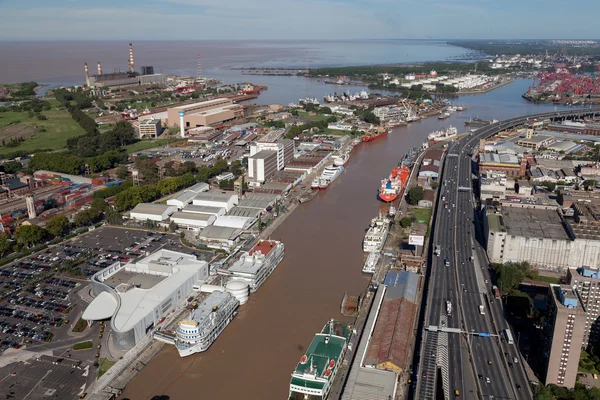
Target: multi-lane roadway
point(464, 350)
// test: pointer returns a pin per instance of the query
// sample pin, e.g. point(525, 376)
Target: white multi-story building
point(541, 236)
point(267, 157)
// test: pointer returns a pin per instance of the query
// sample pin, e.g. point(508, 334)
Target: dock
point(272, 71)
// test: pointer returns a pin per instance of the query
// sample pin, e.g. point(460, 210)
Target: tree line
point(72, 164)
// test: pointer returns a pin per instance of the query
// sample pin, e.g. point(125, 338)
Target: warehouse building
point(182, 200)
point(541, 236)
point(213, 199)
point(136, 296)
point(152, 212)
point(506, 163)
point(391, 341)
point(204, 113)
point(220, 236)
point(192, 221)
point(216, 211)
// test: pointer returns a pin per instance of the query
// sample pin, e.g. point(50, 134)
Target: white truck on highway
point(481, 310)
point(437, 250)
point(449, 308)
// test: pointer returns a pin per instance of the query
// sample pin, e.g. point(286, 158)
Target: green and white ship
point(314, 374)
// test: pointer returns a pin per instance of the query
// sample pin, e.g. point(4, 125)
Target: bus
point(508, 336)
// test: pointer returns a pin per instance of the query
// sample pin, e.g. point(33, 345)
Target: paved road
point(466, 283)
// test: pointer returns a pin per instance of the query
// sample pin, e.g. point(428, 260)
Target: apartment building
point(564, 333)
point(587, 283)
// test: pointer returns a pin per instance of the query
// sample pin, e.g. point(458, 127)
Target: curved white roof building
point(136, 296)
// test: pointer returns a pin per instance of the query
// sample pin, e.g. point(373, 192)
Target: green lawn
point(80, 326)
point(149, 144)
point(336, 132)
point(104, 366)
point(59, 127)
point(83, 345)
point(422, 215)
point(316, 117)
point(549, 279)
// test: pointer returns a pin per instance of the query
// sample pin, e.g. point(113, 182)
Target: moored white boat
point(329, 175)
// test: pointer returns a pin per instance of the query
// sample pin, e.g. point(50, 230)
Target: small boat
point(338, 161)
point(444, 115)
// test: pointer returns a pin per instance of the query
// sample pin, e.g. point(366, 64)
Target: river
point(254, 357)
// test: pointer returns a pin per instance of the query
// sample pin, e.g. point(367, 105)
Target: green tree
point(123, 172)
point(510, 275)
point(5, 244)
point(29, 235)
point(173, 226)
point(589, 184)
point(113, 217)
point(50, 203)
point(415, 195)
point(405, 222)
point(99, 205)
point(58, 225)
point(548, 185)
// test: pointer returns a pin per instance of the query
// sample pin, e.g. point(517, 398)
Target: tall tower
point(99, 69)
point(181, 124)
point(87, 75)
point(199, 68)
point(135, 174)
point(131, 64)
point(30, 206)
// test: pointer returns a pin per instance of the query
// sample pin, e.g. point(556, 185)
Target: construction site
point(564, 87)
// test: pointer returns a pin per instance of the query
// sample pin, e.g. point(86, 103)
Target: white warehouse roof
point(153, 209)
point(231, 221)
point(102, 307)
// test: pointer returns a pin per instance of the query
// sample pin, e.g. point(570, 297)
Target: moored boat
point(374, 134)
point(329, 175)
point(392, 186)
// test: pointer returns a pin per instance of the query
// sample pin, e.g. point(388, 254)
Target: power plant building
point(204, 113)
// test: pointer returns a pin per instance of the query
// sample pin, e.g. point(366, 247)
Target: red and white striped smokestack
point(99, 69)
point(131, 65)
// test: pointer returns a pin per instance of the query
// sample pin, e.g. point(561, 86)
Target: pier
point(273, 71)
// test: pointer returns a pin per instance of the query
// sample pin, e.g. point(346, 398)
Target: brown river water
point(255, 355)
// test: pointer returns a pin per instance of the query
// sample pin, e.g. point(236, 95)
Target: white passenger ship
point(196, 333)
point(255, 266)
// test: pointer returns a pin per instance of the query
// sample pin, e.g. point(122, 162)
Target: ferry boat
point(376, 235)
point(412, 118)
point(329, 175)
point(370, 263)
point(338, 161)
point(314, 375)
point(255, 266)
point(374, 134)
point(442, 135)
point(392, 186)
point(202, 327)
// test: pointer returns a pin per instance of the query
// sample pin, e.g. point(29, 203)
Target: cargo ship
point(314, 375)
point(196, 333)
point(392, 186)
point(255, 266)
point(374, 134)
point(376, 235)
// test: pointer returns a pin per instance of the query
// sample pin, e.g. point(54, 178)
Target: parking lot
point(41, 302)
point(44, 378)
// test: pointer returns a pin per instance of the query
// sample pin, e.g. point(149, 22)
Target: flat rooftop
point(140, 280)
point(533, 223)
point(203, 103)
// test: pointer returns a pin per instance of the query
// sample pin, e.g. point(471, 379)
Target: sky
point(297, 19)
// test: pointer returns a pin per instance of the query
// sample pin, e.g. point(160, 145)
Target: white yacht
point(205, 324)
point(329, 175)
point(370, 263)
point(376, 235)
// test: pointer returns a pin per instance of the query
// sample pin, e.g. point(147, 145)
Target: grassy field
point(104, 366)
point(149, 144)
point(83, 345)
point(59, 127)
point(316, 117)
point(336, 132)
point(80, 326)
point(422, 215)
